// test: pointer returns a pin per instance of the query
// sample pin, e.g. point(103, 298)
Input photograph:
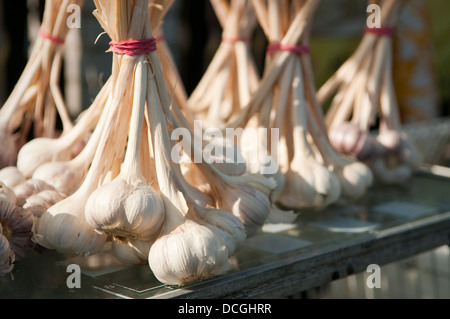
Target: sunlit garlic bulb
point(7, 195)
point(40, 202)
point(128, 207)
point(188, 253)
point(131, 251)
point(309, 185)
point(17, 224)
point(29, 188)
point(37, 152)
point(249, 204)
point(226, 225)
point(126, 210)
point(11, 176)
point(63, 228)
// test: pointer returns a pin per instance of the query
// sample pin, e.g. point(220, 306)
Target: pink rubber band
point(133, 47)
point(51, 38)
point(235, 40)
point(296, 49)
point(383, 31)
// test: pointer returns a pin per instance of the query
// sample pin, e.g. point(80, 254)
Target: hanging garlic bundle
point(362, 93)
point(128, 208)
point(232, 76)
point(36, 101)
point(195, 242)
point(81, 223)
point(303, 182)
point(118, 200)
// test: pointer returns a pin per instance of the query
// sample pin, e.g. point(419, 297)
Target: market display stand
point(390, 224)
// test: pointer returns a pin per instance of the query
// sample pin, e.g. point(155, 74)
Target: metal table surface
point(389, 224)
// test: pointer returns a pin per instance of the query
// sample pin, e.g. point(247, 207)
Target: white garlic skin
point(249, 204)
point(313, 186)
point(63, 228)
point(226, 225)
point(188, 254)
point(29, 188)
point(131, 252)
point(127, 210)
point(7, 195)
point(61, 176)
point(356, 178)
point(40, 202)
point(11, 176)
point(37, 152)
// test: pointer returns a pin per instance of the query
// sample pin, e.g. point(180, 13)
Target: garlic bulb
point(226, 225)
point(7, 256)
point(128, 207)
point(63, 228)
point(40, 202)
point(29, 188)
point(7, 195)
point(350, 140)
point(399, 159)
point(354, 176)
point(247, 198)
point(43, 150)
point(309, 183)
point(11, 176)
point(131, 251)
point(67, 176)
point(17, 224)
point(185, 251)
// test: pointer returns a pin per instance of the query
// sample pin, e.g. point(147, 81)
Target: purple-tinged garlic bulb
point(348, 139)
point(7, 256)
point(29, 188)
point(17, 224)
point(40, 202)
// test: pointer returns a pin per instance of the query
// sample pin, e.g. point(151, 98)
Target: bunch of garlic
point(364, 98)
point(232, 76)
point(310, 175)
point(195, 242)
point(127, 208)
point(36, 102)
